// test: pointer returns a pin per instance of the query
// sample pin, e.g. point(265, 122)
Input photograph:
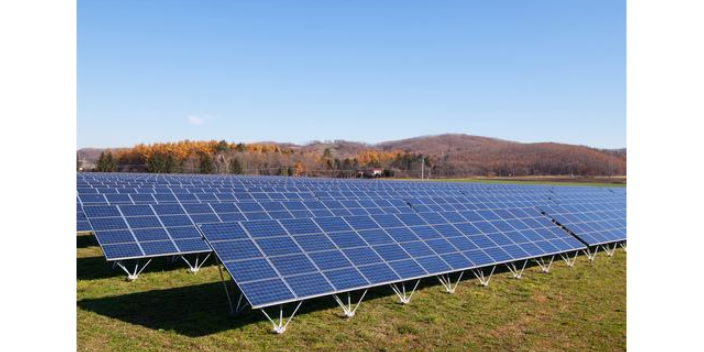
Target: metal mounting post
point(280, 325)
point(241, 302)
point(517, 274)
point(623, 245)
point(132, 275)
point(591, 255)
point(195, 267)
point(569, 261)
point(545, 265)
point(610, 250)
point(348, 309)
point(446, 282)
point(403, 296)
point(483, 280)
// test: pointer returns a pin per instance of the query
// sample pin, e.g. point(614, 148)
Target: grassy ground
point(578, 309)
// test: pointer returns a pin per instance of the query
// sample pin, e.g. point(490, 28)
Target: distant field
point(579, 309)
point(552, 181)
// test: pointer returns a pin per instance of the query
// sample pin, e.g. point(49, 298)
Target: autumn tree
point(106, 163)
point(206, 164)
point(236, 166)
point(222, 146)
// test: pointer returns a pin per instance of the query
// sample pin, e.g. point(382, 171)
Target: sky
point(370, 71)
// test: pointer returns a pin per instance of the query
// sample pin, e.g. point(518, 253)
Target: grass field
point(167, 308)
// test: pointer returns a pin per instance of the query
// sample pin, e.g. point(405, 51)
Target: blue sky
point(297, 71)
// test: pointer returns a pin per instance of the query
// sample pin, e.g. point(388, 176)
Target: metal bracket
point(610, 251)
point(483, 280)
point(195, 267)
point(403, 296)
point(591, 255)
point(623, 245)
point(545, 265)
point(280, 325)
point(569, 261)
point(348, 309)
point(446, 282)
point(235, 310)
point(517, 274)
point(132, 275)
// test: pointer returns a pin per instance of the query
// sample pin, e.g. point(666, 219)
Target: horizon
point(324, 141)
point(363, 71)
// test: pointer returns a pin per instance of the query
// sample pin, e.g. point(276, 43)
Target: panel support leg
point(348, 309)
point(281, 324)
point(591, 255)
point(133, 275)
point(403, 296)
point(545, 264)
point(517, 274)
point(446, 282)
point(483, 280)
point(235, 309)
point(623, 245)
point(197, 264)
point(569, 261)
point(610, 250)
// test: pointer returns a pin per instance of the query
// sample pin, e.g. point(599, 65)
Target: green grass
point(168, 309)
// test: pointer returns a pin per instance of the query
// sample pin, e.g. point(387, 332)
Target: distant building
point(370, 173)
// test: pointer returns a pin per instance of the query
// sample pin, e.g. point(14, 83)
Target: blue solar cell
point(362, 256)
point(448, 231)
point(390, 252)
point(266, 291)
point(272, 246)
point(121, 251)
point(468, 229)
point(375, 237)
point(330, 260)
point(387, 220)
point(232, 217)
point(204, 218)
point(100, 211)
point(168, 209)
point(192, 245)
point(108, 224)
point(410, 219)
point(441, 246)
point(333, 224)
point(264, 228)
point(344, 279)
point(456, 260)
point(234, 250)
point(136, 210)
point(183, 232)
point(152, 234)
point(300, 226)
point(433, 264)
point(407, 268)
point(478, 257)
point(224, 208)
point(417, 249)
point(292, 264)
point(115, 236)
point(175, 220)
point(361, 222)
point(347, 239)
point(248, 207)
point(311, 243)
point(136, 222)
point(250, 270)
point(425, 232)
point(433, 218)
point(402, 234)
point(462, 243)
point(378, 273)
point(309, 284)
point(498, 254)
point(158, 247)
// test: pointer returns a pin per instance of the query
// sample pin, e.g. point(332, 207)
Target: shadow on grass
point(93, 268)
point(202, 310)
point(85, 240)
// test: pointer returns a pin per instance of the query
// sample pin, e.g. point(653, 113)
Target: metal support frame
point(623, 245)
point(195, 267)
point(348, 309)
point(235, 309)
point(569, 261)
point(280, 325)
point(132, 275)
point(545, 265)
point(483, 280)
point(517, 274)
point(403, 296)
point(610, 250)
point(591, 255)
point(446, 282)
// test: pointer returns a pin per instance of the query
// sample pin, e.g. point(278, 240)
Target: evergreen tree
point(206, 164)
point(235, 167)
point(222, 146)
point(241, 147)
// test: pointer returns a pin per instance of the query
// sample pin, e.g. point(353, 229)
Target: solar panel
point(594, 224)
point(304, 258)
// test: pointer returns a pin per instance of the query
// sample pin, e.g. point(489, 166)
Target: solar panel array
point(290, 239)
